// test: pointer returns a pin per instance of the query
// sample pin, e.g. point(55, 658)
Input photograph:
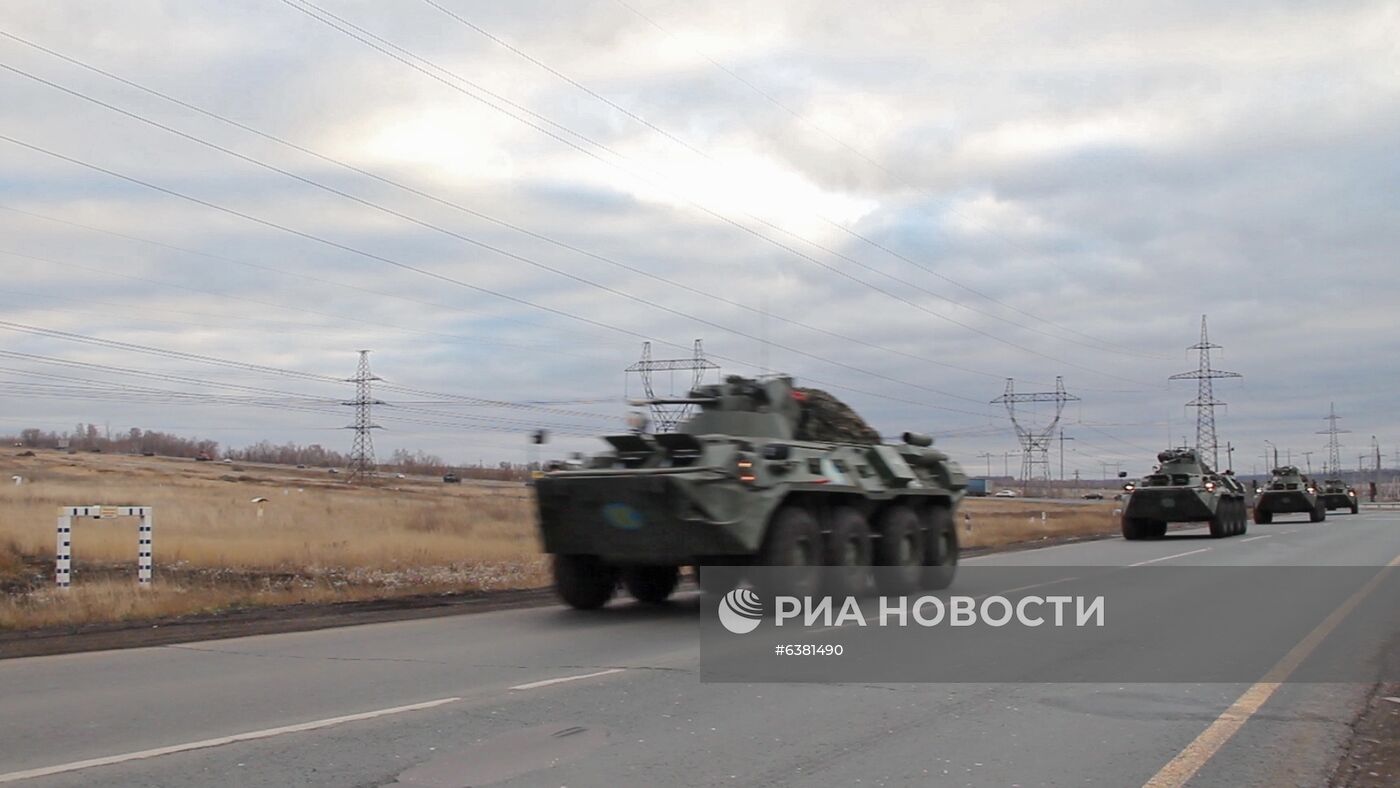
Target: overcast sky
point(503, 200)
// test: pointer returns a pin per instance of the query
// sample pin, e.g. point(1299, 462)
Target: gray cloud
point(1095, 178)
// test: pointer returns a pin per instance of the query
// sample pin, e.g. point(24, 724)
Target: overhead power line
point(1110, 346)
point(1099, 345)
point(465, 284)
point(369, 39)
point(458, 236)
point(261, 369)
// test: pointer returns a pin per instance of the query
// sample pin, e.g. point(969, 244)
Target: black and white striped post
point(63, 565)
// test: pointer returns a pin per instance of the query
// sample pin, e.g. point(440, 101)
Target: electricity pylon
point(1334, 446)
point(362, 450)
point(1205, 400)
point(665, 418)
point(1035, 440)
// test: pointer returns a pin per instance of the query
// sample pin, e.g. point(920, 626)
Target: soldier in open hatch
point(763, 473)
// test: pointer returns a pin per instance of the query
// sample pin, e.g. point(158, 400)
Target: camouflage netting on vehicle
point(829, 420)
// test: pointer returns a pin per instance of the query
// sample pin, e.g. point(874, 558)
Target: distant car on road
point(333, 470)
point(301, 465)
point(451, 478)
point(1005, 494)
point(1093, 496)
point(400, 476)
point(227, 460)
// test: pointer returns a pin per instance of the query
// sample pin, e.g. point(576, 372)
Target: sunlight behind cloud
point(739, 182)
point(447, 142)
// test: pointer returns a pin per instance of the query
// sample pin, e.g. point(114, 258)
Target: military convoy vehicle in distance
point(764, 474)
point(1335, 494)
point(1289, 491)
point(1184, 489)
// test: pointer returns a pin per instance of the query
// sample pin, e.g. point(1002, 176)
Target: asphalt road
point(549, 697)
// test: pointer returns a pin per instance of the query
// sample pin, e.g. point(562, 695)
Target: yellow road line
point(1190, 760)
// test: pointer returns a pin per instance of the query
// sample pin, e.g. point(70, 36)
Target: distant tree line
point(313, 456)
point(88, 437)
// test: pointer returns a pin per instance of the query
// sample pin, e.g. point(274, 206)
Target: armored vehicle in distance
point(1289, 491)
point(1184, 489)
point(763, 473)
point(1335, 494)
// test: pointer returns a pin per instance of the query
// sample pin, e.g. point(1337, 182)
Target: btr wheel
point(1262, 516)
point(848, 553)
point(1156, 530)
point(584, 582)
point(1356, 508)
point(1222, 523)
point(899, 552)
point(1318, 514)
point(793, 541)
point(1134, 528)
point(1242, 516)
point(651, 585)
point(940, 549)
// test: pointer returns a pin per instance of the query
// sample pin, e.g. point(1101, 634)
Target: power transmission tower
point(1035, 440)
point(362, 450)
point(666, 417)
point(1334, 446)
point(1205, 400)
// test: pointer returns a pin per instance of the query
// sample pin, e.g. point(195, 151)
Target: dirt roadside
point(259, 621)
point(1372, 758)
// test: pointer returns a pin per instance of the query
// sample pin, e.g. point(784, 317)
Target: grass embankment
point(318, 539)
point(997, 522)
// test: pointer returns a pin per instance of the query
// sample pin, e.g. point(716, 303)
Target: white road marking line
point(1170, 557)
point(1005, 553)
point(30, 774)
point(1252, 538)
point(549, 682)
point(1026, 588)
point(1190, 760)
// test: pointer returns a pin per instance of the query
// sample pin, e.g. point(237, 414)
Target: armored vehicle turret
point(763, 473)
point(1336, 494)
point(1289, 491)
point(1183, 489)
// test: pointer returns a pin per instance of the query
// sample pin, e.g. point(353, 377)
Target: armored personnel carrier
point(1183, 489)
point(1335, 494)
point(1289, 491)
point(763, 473)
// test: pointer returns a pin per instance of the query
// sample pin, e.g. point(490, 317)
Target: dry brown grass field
point(318, 539)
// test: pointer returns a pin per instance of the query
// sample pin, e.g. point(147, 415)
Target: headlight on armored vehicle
point(1210, 486)
point(1312, 490)
point(744, 465)
point(1129, 487)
